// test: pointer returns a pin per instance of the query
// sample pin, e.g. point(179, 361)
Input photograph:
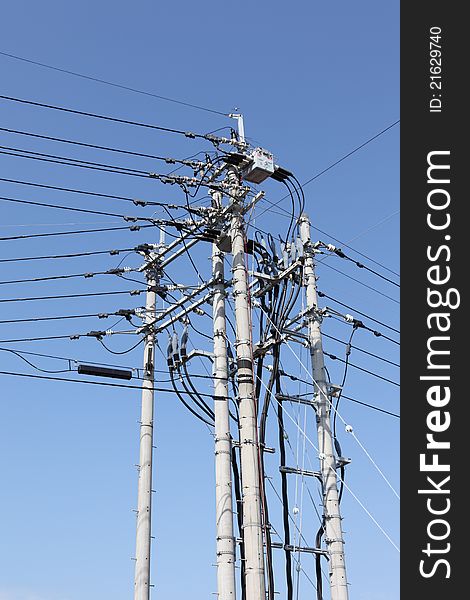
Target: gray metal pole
point(333, 533)
point(144, 498)
point(249, 447)
point(223, 440)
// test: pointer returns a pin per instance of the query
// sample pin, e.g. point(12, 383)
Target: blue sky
point(314, 81)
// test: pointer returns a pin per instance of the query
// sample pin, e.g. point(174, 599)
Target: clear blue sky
point(314, 81)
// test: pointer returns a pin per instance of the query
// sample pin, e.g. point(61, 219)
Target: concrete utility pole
point(144, 497)
point(249, 447)
point(223, 440)
point(333, 532)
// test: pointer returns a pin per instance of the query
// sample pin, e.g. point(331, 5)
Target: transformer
point(261, 166)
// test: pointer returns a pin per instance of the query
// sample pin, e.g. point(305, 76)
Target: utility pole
point(144, 497)
point(249, 446)
point(333, 532)
point(223, 440)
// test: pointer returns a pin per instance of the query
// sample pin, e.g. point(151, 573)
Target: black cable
point(323, 295)
point(182, 400)
point(239, 514)
point(337, 162)
point(79, 231)
point(18, 354)
point(302, 201)
point(36, 339)
point(73, 255)
point(343, 396)
point(123, 351)
point(131, 292)
point(343, 381)
point(73, 336)
point(318, 573)
point(118, 385)
point(59, 318)
point(333, 357)
point(284, 492)
point(331, 337)
point(108, 118)
point(68, 276)
point(76, 209)
point(194, 394)
point(68, 359)
point(356, 251)
point(97, 147)
point(70, 163)
point(94, 194)
point(116, 85)
point(371, 406)
point(359, 265)
point(188, 253)
point(291, 222)
point(376, 333)
point(369, 287)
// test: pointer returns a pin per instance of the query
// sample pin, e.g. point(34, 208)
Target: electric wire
point(91, 294)
point(331, 337)
point(77, 232)
point(356, 251)
point(75, 209)
point(184, 162)
point(134, 201)
point(345, 321)
point(371, 406)
point(102, 383)
point(71, 255)
point(323, 295)
point(113, 84)
point(334, 357)
point(337, 162)
point(58, 318)
point(340, 254)
point(332, 407)
point(324, 264)
point(76, 360)
point(105, 117)
point(88, 275)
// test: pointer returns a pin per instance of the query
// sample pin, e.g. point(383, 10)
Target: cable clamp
point(240, 342)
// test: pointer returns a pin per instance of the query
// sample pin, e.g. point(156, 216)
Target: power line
point(87, 275)
point(76, 360)
point(345, 321)
point(74, 209)
point(72, 255)
point(98, 147)
point(113, 84)
point(64, 317)
point(333, 357)
point(95, 194)
point(356, 149)
point(119, 385)
point(70, 162)
point(323, 295)
point(331, 337)
point(337, 162)
point(324, 264)
point(102, 167)
point(131, 292)
point(371, 406)
point(188, 134)
point(356, 251)
point(338, 252)
point(79, 231)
